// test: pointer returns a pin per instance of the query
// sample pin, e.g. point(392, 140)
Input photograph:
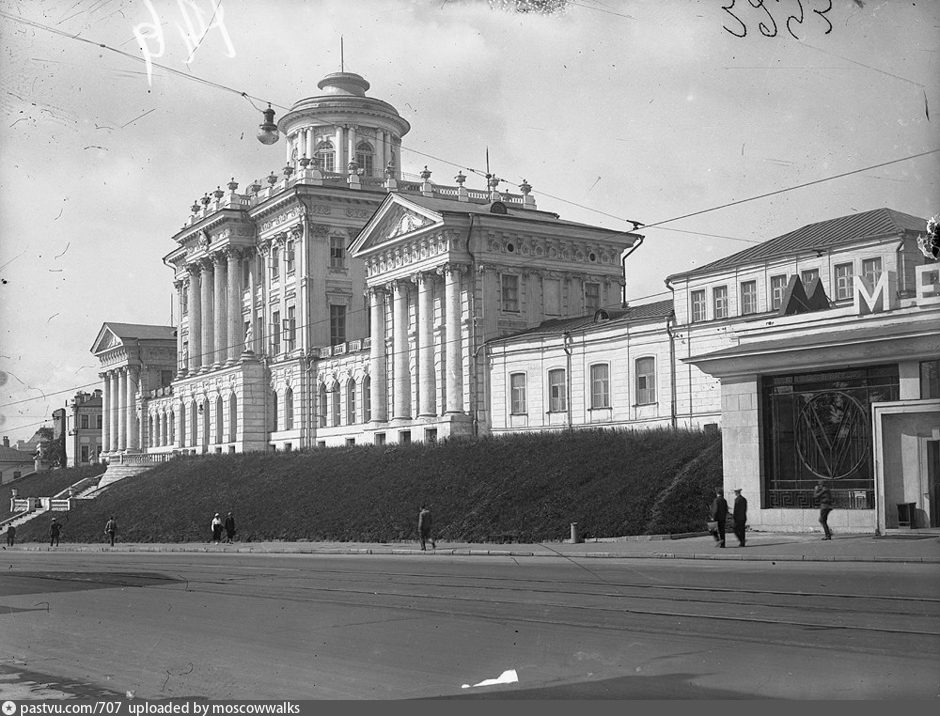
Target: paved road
point(225, 626)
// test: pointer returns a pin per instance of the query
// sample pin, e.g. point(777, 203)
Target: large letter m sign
point(883, 296)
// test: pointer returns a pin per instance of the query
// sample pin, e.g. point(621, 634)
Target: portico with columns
point(135, 360)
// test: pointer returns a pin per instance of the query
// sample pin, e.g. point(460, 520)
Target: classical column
point(105, 412)
point(180, 286)
point(195, 317)
point(235, 331)
point(427, 405)
point(122, 409)
point(219, 309)
point(114, 412)
point(131, 440)
point(452, 337)
point(377, 370)
point(402, 375)
point(340, 152)
point(352, 145)
point(207, 315)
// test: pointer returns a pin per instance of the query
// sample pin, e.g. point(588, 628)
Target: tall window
point(592, 297)
point(778, 285)
point(219, 419)
point(337, 324)
point(337, 252)
point(843, 281)
point(232, 417)
point(289, 409)
point(275, 263)
point(246, 274)
point(871, 271)
point(720, 301)
point(184, 302)
point(289, 257)
point(930, 379)
point(366, 399)
point(334, 394)
point(748, 297)
point(274, 406)
point(290, 329)
point(98, 421)
point(600, 386)
point(327, 156)
point(808, 276)
point(84, 421)
point(551, 296)
point(509, 292)
point(517, 393)
point(645, 381)
point(276, 333)
point(351, 402)
point(698, 305)
point(321, 406)
point(364, 157)
point(557, 391)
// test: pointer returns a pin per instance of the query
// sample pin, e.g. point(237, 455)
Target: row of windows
point(84, 421)
point(842, 289)
point(352, 416)
point(509, 295)
point(644, 383)
point(365, 157)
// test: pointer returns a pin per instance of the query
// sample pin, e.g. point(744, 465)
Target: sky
point(614, 111)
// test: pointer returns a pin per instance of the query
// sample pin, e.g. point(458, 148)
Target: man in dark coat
point(823, 496)
point(424, 527)
point(55, 529)
point(11, 536)
point(229, 528)
point(739, 515)
point(719, 513)
point(110, 529)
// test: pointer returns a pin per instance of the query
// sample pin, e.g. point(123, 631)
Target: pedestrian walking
point(719, 514)
point(55, 529)
point(823, 496)
point(229, 528)
point(110, 529)
point(216, 526)
point(11, 536)
point(739, 515)
point(424, 527)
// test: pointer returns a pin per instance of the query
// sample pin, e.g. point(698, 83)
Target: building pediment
point(107, 340)
point(396, 220)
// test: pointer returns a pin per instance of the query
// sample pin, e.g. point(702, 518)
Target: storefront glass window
point(818, 425)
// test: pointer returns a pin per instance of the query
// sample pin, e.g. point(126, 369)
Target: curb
point(470, 552)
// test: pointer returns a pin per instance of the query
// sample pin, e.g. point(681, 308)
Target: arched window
point(327, 156)
point(171, 429)
point(367, 398)
point(274, 427)
point(351, 402)
point(321, 406)
point(289, 409)
point(335, 399)
point(232, 418)
point(219, 419)
point(193, 424)
point(364, 157)
point(204, 407)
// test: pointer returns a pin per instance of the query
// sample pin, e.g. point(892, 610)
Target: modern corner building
point(340, 304)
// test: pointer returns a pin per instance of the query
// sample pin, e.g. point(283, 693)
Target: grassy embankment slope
point(44, 484)
point(526, 488)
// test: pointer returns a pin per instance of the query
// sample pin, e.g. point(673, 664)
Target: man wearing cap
point(718, 515)
point(739, 514)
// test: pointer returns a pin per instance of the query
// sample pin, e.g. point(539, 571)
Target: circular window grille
point(832, 435)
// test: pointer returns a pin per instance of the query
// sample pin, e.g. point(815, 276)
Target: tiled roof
point(657, 310)
point(821, 235)
point(142, 331)
point(8, 454)
point(453, 206)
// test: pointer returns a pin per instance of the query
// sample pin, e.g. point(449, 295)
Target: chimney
point(6, 441)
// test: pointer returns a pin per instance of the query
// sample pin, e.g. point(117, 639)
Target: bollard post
point(575, 537)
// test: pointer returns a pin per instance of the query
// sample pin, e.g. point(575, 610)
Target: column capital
point(424, 279)
point(450, 269)
point(206, 263)
point(264, 248)
point(194, 268)
point(232, 252)
point(377, 291)
point(179, 284)
point(219, 257)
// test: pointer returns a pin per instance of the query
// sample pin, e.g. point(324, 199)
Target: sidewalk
point(913, 548)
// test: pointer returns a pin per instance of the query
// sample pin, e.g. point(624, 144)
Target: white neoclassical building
point(339, 304)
